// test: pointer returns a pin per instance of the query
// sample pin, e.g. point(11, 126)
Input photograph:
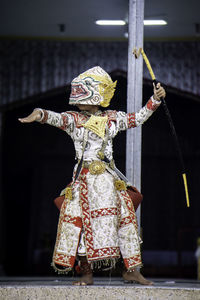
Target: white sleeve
point(64, 121)
point(146, 111)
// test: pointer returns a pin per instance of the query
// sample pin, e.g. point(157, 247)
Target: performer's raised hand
point(34, 116)
point(159, 91)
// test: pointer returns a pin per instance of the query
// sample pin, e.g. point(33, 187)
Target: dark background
point(38, 162)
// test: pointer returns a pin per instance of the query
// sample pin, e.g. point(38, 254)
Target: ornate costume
point(97, 218)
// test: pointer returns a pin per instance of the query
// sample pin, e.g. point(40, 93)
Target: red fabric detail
point(45, 117)
point(104, 253)
point(65, 122)
point(79, 118)
point(135, 195)
point(125, 221)
point(131, 120)
point(111, 114)
point(63, 259)
point(104, 212)
point(130, 207)
point(151, 105)
point(86, 213)
point(84, 171)
point(77, 221)
point(133, 261)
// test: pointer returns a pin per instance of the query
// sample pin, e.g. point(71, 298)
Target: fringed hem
point(108, 263)
point(61, 271)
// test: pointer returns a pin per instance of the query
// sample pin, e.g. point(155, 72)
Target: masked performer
point(97, 222)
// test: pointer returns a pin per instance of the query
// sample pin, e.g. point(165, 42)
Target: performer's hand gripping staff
point(157, 86)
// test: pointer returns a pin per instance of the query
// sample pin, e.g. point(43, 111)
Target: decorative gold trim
point(97, 125)
point(68, 193)
point(120, 185)
point(101, 155)
point(97, 167)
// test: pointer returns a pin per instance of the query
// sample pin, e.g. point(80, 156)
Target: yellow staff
point(137, 54)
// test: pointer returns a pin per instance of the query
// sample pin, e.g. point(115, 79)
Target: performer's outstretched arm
point(60, 120)
point(138, 118)
point(36, 115)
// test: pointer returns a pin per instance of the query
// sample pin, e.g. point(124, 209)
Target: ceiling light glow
point(111, 22)
point(154, 22)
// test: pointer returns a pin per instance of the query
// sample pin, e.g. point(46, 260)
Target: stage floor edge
point(61, 288)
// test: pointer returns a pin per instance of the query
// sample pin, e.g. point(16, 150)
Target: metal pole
point(2, 234)
point(134, 94)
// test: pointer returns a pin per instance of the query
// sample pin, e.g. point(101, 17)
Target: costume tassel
point(60, 271)
point(103, 264)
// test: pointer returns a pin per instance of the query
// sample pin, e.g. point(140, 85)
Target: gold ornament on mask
point(106, 86)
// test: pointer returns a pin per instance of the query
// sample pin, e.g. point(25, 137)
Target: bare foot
point(85, 280)
point(137, 277)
